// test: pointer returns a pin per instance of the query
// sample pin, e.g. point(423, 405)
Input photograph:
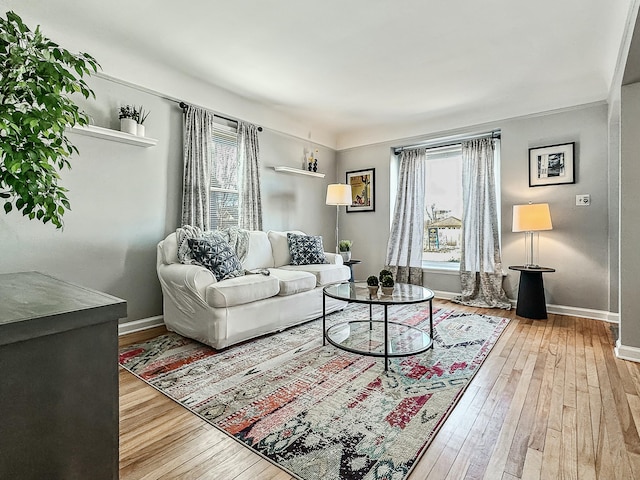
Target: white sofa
point(223, 313)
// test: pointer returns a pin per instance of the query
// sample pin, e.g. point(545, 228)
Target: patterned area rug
point(317, 411)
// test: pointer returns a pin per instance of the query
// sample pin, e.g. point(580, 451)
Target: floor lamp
point(531, 219)
point(338, 194)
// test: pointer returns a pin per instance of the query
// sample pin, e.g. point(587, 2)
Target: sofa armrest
point(334, 258)
point(194, 278)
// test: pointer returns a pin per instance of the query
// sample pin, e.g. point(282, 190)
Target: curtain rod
point(184, 106)
point(447, 142)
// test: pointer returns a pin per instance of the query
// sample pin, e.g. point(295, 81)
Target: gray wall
point(630, 217)
point(577, 247)
point(126, 198)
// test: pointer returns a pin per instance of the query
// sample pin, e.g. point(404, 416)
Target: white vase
point(128, 125)
point(140, 130)
point(346, 256)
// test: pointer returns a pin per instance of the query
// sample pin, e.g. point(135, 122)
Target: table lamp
point(531, 219)
point(338, 194)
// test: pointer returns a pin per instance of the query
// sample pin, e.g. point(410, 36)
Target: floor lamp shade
point(531, 219)
point(338, 194)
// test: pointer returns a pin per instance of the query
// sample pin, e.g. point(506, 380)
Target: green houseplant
point(38, 76)
point(387, 285)
point(372, 284)
point(344, 247)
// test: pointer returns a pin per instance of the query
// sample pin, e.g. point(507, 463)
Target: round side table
point(531, 301)
point(350, 264)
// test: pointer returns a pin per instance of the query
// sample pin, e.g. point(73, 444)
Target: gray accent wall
point(630, 216)
point(577, 247)
point(126, 198)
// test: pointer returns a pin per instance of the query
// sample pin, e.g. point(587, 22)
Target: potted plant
point(372, 285)
point(128, 119)
point(384, 273)
point(141, 117)
point(344, 246)
point(38, 76)
point(387, 285)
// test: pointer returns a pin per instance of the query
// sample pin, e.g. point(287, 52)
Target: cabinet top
point(33, 299)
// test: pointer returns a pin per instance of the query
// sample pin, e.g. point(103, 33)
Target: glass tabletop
point(359, 293)
point(367, 338)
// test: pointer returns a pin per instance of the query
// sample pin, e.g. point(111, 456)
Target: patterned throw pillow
point(217, 255)
point(305, 249)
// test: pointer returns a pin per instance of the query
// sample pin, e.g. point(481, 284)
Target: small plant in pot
point(384, 273)
point(344, 246)
point(372, 285)
point(141, 116)
point(128, 116)
point(387, 285)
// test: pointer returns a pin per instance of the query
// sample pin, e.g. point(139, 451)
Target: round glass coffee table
point(378, 338)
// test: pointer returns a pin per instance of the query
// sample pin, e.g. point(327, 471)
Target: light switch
point(583, 200)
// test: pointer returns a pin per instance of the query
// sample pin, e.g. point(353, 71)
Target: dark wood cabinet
point(58, 379)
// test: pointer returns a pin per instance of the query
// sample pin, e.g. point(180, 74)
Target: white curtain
point(198, 151)
point(481, 263)
point(249, 181)
point(404, 250)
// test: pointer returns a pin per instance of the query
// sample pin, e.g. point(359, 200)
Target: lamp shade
point(531, 218)
point(338, 194)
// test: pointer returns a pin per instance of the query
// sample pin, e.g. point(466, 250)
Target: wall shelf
point(114, 135)
point(298, 171)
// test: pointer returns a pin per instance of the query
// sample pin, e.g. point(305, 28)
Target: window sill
point(443, 268)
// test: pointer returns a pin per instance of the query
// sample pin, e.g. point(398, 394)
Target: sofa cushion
point(292, 282)
point(259, 254)
point(280, 247)
point(217, 255)
point(241, 290)
point(325, 273)
point(305, 249)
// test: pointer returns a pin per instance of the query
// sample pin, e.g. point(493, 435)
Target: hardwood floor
point(551, 401)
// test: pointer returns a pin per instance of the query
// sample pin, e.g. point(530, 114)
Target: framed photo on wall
point(552, 165)
point(363, 190)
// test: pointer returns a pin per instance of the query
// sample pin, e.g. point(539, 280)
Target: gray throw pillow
point(305, 249)
point(217, 255)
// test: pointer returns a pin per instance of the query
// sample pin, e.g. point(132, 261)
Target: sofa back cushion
point(280, 246)
point(259, 254)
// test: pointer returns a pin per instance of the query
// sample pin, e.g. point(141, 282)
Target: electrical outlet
point(583, 200)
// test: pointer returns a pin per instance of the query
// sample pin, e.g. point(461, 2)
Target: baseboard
point(627, 353)
point(610, 317)
point(142, 324)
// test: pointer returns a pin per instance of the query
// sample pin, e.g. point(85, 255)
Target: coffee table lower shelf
point(368, 337)
point(378, 338)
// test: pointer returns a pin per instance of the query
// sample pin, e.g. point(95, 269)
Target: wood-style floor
point(550, 402)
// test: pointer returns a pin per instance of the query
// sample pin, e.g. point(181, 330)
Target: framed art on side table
point(552, 165)
point(363, 190)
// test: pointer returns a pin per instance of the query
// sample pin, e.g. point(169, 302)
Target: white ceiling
point(353, 65)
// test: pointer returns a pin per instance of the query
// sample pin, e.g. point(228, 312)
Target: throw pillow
point(217, 255)
point(305, 249)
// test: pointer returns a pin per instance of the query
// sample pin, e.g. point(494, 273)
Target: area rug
point(319, 412)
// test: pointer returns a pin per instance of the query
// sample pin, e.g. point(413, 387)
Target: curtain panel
point(249, 181)
point(481, 263)
point(404, 249)
point(197, 152)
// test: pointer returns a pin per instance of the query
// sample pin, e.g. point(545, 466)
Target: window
point(224, 196)
point(443, 206)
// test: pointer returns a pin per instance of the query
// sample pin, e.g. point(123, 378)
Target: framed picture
point(552, 165)
point(363, 190)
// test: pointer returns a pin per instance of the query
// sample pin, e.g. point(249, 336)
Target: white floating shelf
point(114, 135)
point(298, 171)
